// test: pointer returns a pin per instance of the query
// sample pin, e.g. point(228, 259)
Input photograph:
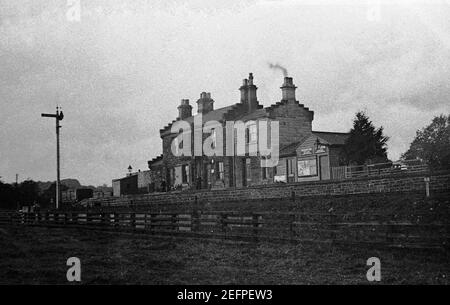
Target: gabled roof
point(332, 138)
point(235, 112)
point(289, 150)
point(214, 115)
point(329, 138)
point(258, 113)
point(284, 102)
point(155, 161)
point(128, 176)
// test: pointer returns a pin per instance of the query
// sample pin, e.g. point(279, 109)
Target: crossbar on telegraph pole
point(58, 117)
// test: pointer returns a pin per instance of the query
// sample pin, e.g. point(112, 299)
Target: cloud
point(120, 73)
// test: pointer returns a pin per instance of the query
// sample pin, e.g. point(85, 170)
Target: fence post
point(389, 230)
point(427, 186)
point(195, 207)
point(223, 222)
point(195, 221)
point(116, 219)
point(255, 218)
point(133, 220)
point(447, 231)
point(291, 227)
point(151, 223)
point(331, 226)
point(174, 222)
point(104, 220)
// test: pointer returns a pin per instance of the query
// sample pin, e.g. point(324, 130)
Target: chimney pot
point(184, 110)
point(205, 103)
point(288, 81)
point(244, 90)
point(252, 101)
point(288, 89)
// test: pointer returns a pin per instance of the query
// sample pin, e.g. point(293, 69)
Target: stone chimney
point(244, 91)
point(248, 94)
point(288, 89)
point(252, 100)
point(184, 110)
point(205, 103)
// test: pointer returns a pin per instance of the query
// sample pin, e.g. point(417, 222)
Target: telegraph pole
point(58, 117)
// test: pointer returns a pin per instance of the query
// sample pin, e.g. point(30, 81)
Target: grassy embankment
point(38, 256)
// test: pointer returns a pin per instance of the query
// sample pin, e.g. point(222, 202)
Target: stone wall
point(439, 182)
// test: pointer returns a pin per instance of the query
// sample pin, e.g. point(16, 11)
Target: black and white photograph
point(224, 148)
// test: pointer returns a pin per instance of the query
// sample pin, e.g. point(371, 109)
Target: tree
point(14, 195)
point(48, 196)
point(432, 144)
point(366, 144)
point(8, 196)
point(28, 192)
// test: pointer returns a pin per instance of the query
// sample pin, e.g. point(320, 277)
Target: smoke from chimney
point(279, 67)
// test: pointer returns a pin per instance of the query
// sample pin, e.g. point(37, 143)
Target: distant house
point(133, 183)
point(305, 154)
point(103, 193)
point(310, 159)
point(75, 195)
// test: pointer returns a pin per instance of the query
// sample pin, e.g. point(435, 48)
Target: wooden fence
point(375, 170)
point(415, 231)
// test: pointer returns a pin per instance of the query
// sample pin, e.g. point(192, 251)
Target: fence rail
point(379, 169)
point(431, 231)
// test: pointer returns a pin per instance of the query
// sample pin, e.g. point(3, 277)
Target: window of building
point(307, 167)
point(214, 138)
point(291, 167)
point(280, 172)
point(252, 134)
point(248, 169)
point(220, 171)
point(184, 173)
point(264, 172)
point(172, 176)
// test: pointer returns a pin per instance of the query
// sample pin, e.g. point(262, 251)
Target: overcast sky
point(120, 72)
